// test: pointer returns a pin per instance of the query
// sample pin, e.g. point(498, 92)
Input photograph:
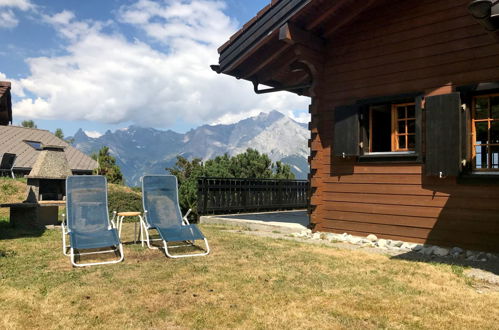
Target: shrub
point(124, 201)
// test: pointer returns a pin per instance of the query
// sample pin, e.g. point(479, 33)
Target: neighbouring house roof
point(13, 140)
point(5, 103)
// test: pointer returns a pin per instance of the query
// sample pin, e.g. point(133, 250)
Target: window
point(485, 120)
point(392, 128)
point(37, 145)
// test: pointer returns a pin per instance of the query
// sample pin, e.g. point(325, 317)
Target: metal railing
point(222, 195)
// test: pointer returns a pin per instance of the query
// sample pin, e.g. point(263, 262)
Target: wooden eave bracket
point(291, 34)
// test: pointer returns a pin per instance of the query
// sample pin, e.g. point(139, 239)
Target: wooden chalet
point(404, 111)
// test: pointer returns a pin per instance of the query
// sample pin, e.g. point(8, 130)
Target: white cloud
point(301, 117)
point(93, 134)
point(109, 79)
point(8, 18)
point(19, 4)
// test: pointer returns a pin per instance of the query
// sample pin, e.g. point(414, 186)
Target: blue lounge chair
point(87, 222)
point(162, 213)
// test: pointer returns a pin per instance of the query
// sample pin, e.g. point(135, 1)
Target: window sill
point(480, 178)
point(390, 157)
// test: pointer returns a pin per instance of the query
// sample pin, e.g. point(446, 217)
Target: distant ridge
point(140, 150)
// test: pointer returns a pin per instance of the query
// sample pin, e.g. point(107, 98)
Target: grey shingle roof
point(12, 141)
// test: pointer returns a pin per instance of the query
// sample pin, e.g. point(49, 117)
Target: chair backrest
point(86, 203)
point(160, 200)
point(7, 162)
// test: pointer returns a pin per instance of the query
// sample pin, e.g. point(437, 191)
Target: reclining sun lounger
point(162, 213)
point(87, 222)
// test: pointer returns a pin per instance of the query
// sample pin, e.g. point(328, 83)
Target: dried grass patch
point(247, 282)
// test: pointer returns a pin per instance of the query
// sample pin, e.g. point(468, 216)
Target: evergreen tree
point(107, 166)
point(28, 124)
point(187, 173)
point(250, 164)
point(58, 132)
point(283, 171)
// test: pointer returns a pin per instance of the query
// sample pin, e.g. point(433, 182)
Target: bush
point(124, 201)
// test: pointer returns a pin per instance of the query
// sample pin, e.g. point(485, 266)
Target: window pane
point(481, 108)
point(402, 141)
point(411, 126)
point(401, 112)
point(494, 107)
point(481, 157)
point(494, 132)
point(481, 133)
point(411, 111)
point(401, 126)
point(494, 150)
point(411, 142)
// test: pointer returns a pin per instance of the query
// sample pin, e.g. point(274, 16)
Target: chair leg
point(207, 251)
point(120, 249)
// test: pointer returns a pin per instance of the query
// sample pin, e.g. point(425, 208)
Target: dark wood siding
point(420, 47)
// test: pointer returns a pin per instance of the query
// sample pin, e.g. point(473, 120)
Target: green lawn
point(246, 282)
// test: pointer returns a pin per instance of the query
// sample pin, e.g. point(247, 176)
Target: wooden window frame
point(489, 121)
point(394, 125)
point(395, 133)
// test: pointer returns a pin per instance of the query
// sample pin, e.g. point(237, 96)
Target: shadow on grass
point(9, 232)
point(491, 265)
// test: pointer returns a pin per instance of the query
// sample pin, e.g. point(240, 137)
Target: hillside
point(11, 191)
point(121, 198)
point(140, 150)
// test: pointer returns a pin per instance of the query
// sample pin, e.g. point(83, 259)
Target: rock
point(456, 251)
point(417, 247)
point(316, 236)
point(306, 232)
point(332, 237)
point(482, 256)
point(441, 252)
point(372, 238)
point(355, 240)
point(408, 246)
point(365, 241)
point(426, 250)
point(382, 243)
point(469, 253)
point(397, 243)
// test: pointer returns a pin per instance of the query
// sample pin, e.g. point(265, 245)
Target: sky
point(108, 64)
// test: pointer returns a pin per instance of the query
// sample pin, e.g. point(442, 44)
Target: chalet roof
point(4, 87)
point(269, 48)
point(12, 140)
point(5, 103)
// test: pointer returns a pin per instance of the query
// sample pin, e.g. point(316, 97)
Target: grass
point(247, 282)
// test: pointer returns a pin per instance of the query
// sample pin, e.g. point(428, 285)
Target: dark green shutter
point(346, 131)
point(444, 122)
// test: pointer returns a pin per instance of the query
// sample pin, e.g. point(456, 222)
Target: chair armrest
point(144, 218)
point(113, 225)
point(64, 225)
point(184, 219)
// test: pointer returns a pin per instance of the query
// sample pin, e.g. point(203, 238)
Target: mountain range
point(140, 150)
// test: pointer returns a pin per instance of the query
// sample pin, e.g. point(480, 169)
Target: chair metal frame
point(146, 226)
point(71, 253)
point(11, 170)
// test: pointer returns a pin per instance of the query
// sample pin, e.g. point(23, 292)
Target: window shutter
point(444, 120)
point(346, 131)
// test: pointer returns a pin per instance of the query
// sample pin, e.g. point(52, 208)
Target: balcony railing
point(221, 195)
